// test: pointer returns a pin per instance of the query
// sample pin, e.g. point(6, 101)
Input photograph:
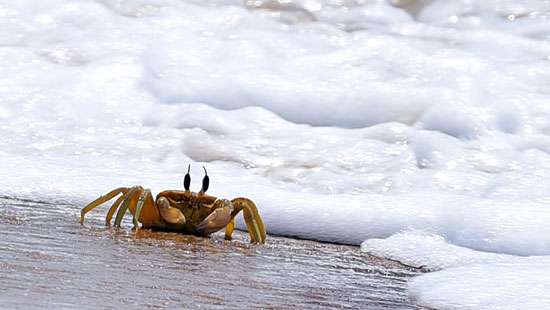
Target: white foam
point(488, 286)
point(469, 279)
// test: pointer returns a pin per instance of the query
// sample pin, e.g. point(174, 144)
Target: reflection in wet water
point(48, 259)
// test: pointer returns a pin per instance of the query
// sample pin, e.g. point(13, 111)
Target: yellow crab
point(181, 211)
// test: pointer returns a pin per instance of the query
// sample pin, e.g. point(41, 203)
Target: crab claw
point(169, 214)
point(218, 219)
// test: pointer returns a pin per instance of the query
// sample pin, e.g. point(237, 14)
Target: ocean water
point(395, 125)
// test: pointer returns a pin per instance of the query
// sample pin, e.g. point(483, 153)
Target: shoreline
point(48, 258)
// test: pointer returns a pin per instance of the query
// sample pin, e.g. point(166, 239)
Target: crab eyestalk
point(205, 182)
point(187, 179)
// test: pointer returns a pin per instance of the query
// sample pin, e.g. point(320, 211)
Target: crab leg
point(149, 214)
point(144, 195)
point(254, 223)
point(113, 208)
point(100, 201)
point(229, 229)
point(129, 202)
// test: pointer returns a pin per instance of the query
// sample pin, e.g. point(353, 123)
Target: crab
point(181, 211)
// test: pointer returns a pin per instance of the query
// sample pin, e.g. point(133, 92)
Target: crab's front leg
point(254, 223)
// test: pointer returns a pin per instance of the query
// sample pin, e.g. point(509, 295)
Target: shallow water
point(47, 259)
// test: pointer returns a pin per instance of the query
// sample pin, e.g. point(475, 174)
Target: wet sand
point(47, 259)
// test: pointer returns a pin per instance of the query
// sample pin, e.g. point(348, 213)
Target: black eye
point(205, 181)
point(187, 179)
